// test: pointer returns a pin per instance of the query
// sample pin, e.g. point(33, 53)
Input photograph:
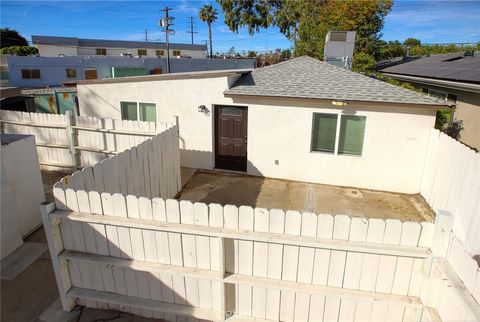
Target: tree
point(411, 42)
point(9, 37)
point(306, 23)
point(251, 54)
point(232, 53)
point(286, 54)
point(19, 50)
point(208, 14)
point(363, 63)
point(391, 49)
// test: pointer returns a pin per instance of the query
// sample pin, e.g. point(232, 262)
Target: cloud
point(186, 7)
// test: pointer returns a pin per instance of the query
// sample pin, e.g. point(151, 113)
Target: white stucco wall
point(54, 51)
point(396, 137)
point(117, 52)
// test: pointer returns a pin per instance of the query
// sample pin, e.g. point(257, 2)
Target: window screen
point(142, 52)
point(148, 112)
point(129, 111)
point(101, 51)
point(324, 132)
point(176, 53)
point(160, 52)
point(352, 131)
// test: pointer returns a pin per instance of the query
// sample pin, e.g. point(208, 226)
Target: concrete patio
point(236, 189)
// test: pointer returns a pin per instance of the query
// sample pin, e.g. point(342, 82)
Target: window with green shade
point(148, 112)
point(135, 111)
point(352, 132)
point(129, 111)
point(324, 132)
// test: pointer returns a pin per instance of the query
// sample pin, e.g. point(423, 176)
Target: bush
point(444, 116)
point(19, 50)
point(454, 129)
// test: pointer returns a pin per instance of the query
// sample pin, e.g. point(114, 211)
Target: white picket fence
point(150, 169)
point(69, 141)
point(452, 182)
point(167, 258)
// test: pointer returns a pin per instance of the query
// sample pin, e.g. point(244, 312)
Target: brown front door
point(231, 137)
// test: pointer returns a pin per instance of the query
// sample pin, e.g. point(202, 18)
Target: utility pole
point(165, 23)
point(206, 46)
point(191, 28)
point(146, 35)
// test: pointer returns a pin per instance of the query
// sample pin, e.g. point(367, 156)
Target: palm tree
point(208, 14)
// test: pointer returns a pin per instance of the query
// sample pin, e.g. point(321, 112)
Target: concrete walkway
point(227, 188)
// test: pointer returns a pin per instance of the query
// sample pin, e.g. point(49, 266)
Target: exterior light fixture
point(203, 109)
point(339, 103)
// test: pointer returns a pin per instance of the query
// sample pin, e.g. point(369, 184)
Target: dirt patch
point(225, 188)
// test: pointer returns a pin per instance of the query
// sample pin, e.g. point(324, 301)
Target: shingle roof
point(307, 77)
point(455, 67)
point(101, 43)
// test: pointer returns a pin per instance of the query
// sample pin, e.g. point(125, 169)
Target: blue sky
point(430, 21)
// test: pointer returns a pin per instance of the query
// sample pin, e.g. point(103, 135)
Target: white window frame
point(337, 134)
point(138, 109)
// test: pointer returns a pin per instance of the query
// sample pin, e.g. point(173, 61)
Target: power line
point(191, 28)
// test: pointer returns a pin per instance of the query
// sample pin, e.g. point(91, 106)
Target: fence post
point(71, 139)
point(221, 268)
point(443, 233)
point(55, 246)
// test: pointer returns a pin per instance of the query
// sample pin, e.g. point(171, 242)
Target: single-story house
point(454, 78)
point(302, 120)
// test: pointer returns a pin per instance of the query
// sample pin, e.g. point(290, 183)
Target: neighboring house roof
point(307, 77)
point(103, 43)
point(453, 67)
point(159, 77)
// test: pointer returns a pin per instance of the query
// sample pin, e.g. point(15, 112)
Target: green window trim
point(348, 141)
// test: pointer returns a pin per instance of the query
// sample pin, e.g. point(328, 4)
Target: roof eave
point(172, 76)
point(433, 105)
point(475, 88)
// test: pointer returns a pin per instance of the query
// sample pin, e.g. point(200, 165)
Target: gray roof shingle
point(306, 77)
